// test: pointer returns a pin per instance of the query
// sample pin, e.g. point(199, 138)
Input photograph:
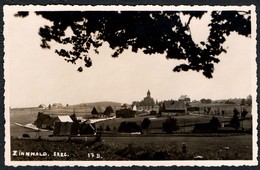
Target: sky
point(39, 76)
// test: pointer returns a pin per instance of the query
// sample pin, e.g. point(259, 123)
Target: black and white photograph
point(130, 85)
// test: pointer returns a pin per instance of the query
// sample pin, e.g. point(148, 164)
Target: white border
point(8, 161)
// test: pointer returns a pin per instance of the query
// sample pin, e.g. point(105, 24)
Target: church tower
point(149, 94)
point(148, 102)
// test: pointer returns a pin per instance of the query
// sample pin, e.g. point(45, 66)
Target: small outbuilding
point(64, 126)
point(42, 106)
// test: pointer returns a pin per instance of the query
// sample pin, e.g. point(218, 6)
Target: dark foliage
point(205, 100)
point(170, 125)
point(249, 100)
point(235, 122)
point(214, 124)
point(145, 123)
point(108, 128)
point(22, 14)
point(243, 102)
point(244, 113)
point(78, 150)
point(148, 31)
point(210, 127)
point(129, 127)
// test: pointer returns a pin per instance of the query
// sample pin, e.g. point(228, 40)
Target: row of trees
point(170, 124)
point(247, 101)
point(235, 121)
point(205, 100)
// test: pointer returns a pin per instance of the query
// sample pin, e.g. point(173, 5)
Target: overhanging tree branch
point(148, 31)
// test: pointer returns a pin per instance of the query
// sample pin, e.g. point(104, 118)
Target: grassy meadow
point(142, 148)
point(154, 145)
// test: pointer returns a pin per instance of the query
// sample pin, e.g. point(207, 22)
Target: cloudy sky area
point(39, 76)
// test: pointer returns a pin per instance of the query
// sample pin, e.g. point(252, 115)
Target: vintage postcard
point(130, 85)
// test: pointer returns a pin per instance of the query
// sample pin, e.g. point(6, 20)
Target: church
point(147, 103)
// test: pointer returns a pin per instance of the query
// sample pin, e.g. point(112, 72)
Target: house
point(108, 111)
point(42, 106)
point(147, 103)
point(98, 111)
point(124, 106)
point(155, 110)
point(134, 108)
point(171, 108)
point(64, 126)
point(184, 98)
point(193, 109)
point(57, 105)
point(125, 113)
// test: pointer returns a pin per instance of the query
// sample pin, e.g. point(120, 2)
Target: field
point(142, 148)
point(185, 122)
point(154, 145)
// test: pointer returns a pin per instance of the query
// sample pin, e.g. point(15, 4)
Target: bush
point(244, 113)
point(108, 128)
point(129, 127)
point(25, 135)
point(145, 123)
point(234, 122)
point(170, 125)
point(214, 124)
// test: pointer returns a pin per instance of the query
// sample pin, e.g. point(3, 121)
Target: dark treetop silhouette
point(149, 31)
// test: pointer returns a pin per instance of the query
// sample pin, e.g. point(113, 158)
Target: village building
point(57, 105)
point(124, 106)
point(134, 108)
point(102, 111)
point(125, 113)
point(64, 126)
point(42, 106)
point(98, 111)
point(155, 110)
point(171, 108)
point(184, 98)
point(147, 103)
point(108, 111)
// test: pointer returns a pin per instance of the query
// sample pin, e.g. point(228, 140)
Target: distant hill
point(104, 103)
